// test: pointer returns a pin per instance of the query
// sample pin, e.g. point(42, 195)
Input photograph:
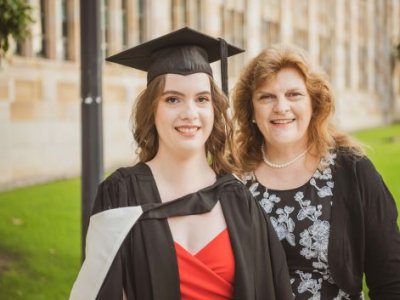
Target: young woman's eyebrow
point(172, 92)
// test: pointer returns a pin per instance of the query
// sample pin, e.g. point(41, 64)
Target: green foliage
point(15, 19)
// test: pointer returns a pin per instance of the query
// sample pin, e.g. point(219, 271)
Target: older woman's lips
point(282, 121)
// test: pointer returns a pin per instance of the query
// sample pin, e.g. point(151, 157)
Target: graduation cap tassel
point(224, 65)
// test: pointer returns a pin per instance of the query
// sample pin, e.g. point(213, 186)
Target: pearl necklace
point(284, 165)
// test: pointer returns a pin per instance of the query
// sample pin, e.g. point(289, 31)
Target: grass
point(39, 241)
point(39, 226)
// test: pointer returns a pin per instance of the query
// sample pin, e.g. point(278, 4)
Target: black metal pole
point(91, 108)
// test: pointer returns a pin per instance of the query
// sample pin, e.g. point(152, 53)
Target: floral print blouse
point(301, 218)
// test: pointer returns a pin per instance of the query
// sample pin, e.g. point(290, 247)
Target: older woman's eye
point(266, 97)
point(294, 94)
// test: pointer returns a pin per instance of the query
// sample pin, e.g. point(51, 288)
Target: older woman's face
point(282, 109)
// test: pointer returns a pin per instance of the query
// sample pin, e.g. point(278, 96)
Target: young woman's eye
point(203, 99)
point(172, 100)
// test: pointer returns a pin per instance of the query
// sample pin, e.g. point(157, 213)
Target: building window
point(326, 50)
point(64, 30)
point(271, 22)
point(347, 49)
point(125, 24)
point(222, 20)
point(362, 44)
point(300, 22)
point(193, 13)
point(141, 16)
point(105, 27)
point(179, 15)
point(301, 38)
point(271, 32)
point(199, 15)
point(187, 13)
point(326, 35)
point(40, 47)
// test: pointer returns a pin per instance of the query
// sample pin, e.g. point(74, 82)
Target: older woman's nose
point(282, 105)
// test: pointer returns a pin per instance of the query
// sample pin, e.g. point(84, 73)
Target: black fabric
point(184, 51)
point(365, 236)
point(146, 265)
point(183, 60)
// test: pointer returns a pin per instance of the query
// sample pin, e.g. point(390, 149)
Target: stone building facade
point(353, 41)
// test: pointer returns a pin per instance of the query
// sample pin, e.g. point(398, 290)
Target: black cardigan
point(364, 234)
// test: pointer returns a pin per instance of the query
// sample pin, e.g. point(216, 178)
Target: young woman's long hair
point(322, 135)
point(219, 144)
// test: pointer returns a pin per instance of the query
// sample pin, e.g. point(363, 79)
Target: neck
point(283, 153)
point(189, 173)
point(282, 157)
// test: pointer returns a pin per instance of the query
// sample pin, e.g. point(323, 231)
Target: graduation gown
point(145, 265)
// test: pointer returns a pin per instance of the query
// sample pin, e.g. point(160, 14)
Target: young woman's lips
point(187, 130)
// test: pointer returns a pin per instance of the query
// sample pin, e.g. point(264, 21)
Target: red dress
point(209, 274)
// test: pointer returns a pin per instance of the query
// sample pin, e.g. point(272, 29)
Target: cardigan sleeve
point(382, 237)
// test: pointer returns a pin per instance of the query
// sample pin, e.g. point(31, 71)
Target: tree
point(15, 19)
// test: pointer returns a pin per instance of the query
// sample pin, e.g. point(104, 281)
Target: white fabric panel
point(107, 230)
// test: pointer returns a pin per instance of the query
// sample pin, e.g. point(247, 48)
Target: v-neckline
point(205, 247)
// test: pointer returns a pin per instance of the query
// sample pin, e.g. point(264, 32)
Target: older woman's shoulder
point(359, 163)
point(348, 155)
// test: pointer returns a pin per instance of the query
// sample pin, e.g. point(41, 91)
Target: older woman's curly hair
point(219, 144)
point(322, 135)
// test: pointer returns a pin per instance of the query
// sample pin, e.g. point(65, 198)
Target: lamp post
point(91, 108)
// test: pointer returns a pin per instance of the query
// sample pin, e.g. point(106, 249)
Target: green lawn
point(39, 226)
point(39, 241)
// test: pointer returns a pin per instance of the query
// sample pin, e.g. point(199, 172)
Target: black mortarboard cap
point(185, 51)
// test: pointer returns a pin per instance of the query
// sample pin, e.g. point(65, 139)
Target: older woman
point(334, 215)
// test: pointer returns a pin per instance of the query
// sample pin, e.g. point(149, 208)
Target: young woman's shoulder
point(117, 189)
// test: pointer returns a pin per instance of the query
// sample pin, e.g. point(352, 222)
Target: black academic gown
point(146, 266)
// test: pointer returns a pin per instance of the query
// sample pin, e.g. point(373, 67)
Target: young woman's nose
point(189, 110)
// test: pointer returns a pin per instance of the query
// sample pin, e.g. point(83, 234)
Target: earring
point(253, 121)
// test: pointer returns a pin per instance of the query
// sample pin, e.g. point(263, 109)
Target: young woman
point(199, 234)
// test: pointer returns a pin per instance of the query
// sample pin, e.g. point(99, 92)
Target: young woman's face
point(184, 115)
point(282, 109)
